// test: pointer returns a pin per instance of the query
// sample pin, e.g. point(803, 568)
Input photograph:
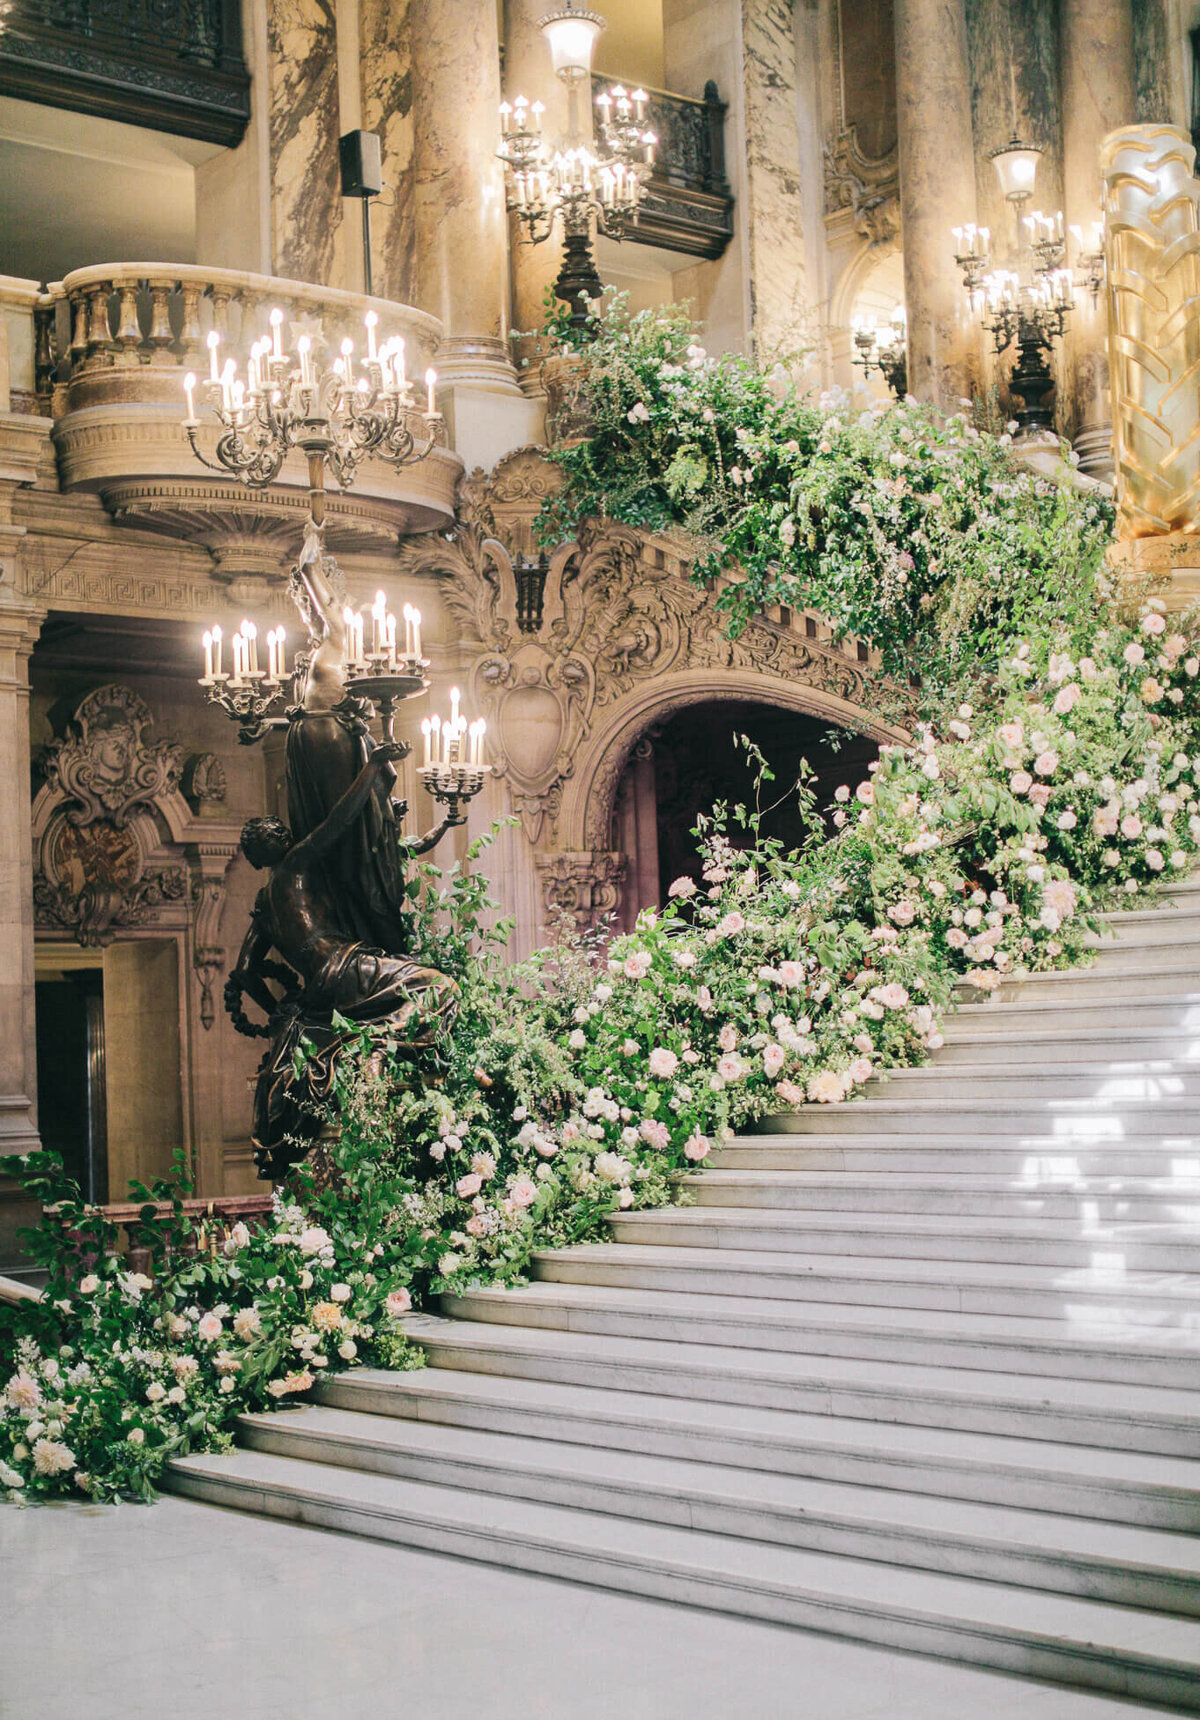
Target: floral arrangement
point(1060, 775)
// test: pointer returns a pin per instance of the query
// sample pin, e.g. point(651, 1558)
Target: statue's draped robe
point(364, 871)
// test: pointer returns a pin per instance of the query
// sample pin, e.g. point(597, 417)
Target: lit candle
point(407, 613)
point(227, 385)
point(302, 347)
point(214, 341)
point(427, 731)
point(276, 337)
point(416, 626)
point(216, 639)
point(430, 397)
point(189, 388)
point(239, 398)
point(280, 664)
point(454, 698)
point(435, 726)
point(537, 110)
point(398, 361)
point(208, 657)
point(649, 140)
point(378, 615)
point(251, 633)
point(344, 366)
point(238, 647)
point(348, 624)
point(505, 111)
point(639, 104)
point(271, 654)
point(371, 319)
point(390, 636)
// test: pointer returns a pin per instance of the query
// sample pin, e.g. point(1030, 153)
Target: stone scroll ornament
point(1152, 240)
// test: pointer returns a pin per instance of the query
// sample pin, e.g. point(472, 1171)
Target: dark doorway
point(683, 767)
point(72, 1101)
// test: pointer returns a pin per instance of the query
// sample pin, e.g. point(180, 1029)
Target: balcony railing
point(108, 347)
point(686, 205)
point(175, 65)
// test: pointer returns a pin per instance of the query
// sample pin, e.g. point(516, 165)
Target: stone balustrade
point(111, 345)
point(213, 1221)
point(19, 300)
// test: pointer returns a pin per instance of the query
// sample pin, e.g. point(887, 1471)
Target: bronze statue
point(337, 955)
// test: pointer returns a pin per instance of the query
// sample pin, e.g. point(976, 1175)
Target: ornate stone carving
point(105, 898)
point(869, 189)
point(585, 886)
point(103, 767)
point(203, 781)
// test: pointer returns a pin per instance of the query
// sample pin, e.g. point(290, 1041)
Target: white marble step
point(1147, 1655)
point(1104, 1561)
point(1093, 1117)
point(1085, 1297)
point(1128, 1082)
point(1171, 1012)
point(1045, 1161)
point(1148, 930)
point(1145, 1199)
point(994, 1343)
point(1114, 1047)
point(1117, 1486)
point(1086, 1412)
point(1140, 974)
point(1015, 1241)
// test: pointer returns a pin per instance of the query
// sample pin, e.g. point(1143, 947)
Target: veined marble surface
point(771, 200)
point(387, 95)
point(177, 1609)
point(306, 204)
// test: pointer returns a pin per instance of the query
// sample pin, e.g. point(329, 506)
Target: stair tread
point(1093, 1629)
point(767, 1314)
point(638, 1473)
point(784, 1368)
point(771, 1429)
point(1108, 1233)
point(1070, 1281)
point(983, 1181)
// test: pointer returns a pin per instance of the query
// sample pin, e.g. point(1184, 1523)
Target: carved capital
point(584, 887)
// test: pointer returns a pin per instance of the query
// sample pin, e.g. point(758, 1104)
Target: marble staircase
point(922, 1370)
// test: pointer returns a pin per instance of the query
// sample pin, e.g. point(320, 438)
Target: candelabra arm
point(418, 845)
point(213, 465)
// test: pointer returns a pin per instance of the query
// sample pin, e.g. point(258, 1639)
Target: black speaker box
point(362, 164)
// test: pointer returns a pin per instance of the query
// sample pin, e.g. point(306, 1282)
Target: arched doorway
point(683, 765)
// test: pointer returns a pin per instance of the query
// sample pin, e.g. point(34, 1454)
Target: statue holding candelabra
point(329, 940)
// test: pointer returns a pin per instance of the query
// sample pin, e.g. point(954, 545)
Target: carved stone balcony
point(686, 205)
point(113, 345)
point(175, 65)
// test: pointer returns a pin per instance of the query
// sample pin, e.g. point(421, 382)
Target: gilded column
point(460, 231)
point(1097, 97)
point(937, 193)
point(528, 72)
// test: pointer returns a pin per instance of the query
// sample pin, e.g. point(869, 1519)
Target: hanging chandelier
point(589, 185)
point(1027, 296)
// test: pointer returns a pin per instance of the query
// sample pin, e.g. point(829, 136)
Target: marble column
point(1160, 95)
point(1097, 97)
point(528, 72)
point(307, 236)
point(772, 203)
point(937, 193)
point(20, 623)
point(387, 108)
point(459, 223)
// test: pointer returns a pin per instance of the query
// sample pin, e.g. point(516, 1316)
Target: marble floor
point(186, 1611)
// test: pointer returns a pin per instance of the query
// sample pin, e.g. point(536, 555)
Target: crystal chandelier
point(589, 188)
point(884, 349)
point(1027, 297)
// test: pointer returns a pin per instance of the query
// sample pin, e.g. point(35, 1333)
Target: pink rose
point(1153, 624)
point(523, 1193)
point(637, 966)
point(682, 887)
point(1067, 698)
point(1040, 794)
point(730, 1068)
point(791, 973)
point(663, 1063)
point(1020, 782)
point(732, 923)
point(397, 1302)
point(469, 1185)
point(655, 1133)
point(208, 1326)
point(774, 1057)
point(860, 1070)
point(1046, 763)
point(1011, 735)
point(696, 1147)
point(1131, 825)
point(865, 794)
point(903, 913)
point(727, 1038)
point(1134, 654)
